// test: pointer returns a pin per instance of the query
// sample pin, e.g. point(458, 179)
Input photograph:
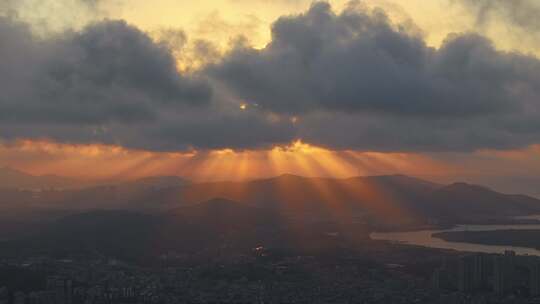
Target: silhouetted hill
point(403, 181)
point(133, 235)
point(510, 237)
point(223, 215)
point(393, 199)
point(11, 178)
point(215, 208)
point(140, 194)
point(470, 202)
point(157, 182)
point(525, 201)
point(216, 225)
point(295, 196)
point(289, 211)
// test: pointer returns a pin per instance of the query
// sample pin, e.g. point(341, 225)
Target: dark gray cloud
point(110, 83)
point(358, 61)
point(196, 129)
point(358, 81)
point(218, 130)
point(354, 80)
point(108, 72)
point(373, 132)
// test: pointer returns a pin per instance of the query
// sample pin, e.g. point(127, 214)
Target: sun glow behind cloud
point(101, 161)
point(508, 171)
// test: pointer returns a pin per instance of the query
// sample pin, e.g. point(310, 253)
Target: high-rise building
point(480, 272)
point(4, 295)
point(534, 278)
point(441, 279)
point(466, 267)
point(62, 289)
point(473, 272)
point(41, 297)
point(503, 272)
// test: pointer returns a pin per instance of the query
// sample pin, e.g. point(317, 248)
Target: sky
point(233, 89)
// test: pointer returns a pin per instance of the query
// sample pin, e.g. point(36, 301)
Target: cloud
point(375, 132)
point(110, 71)
point(376, 86)
point(208, 129)
point(191, 54)
point(358, 61)
point(351, 80)
point(110, 83)
point(52, 16)
point(520, 13)
point(514, 23)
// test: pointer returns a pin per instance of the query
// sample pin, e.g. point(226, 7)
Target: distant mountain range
point(394, 199)
point(150, 216)
point(15, 179)
point(11, 178)
point(217, 225)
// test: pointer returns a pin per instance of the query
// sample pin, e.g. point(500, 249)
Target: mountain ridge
point(389, 197)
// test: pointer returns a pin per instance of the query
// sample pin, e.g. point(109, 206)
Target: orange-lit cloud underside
point(103, 162)
point(100, 161)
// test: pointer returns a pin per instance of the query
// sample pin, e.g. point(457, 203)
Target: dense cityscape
point(260, 277)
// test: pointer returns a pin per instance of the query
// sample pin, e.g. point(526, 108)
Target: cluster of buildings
point(58, 291)
point(61, 290)
point(469, 279)
point(501, 274)
point(247, 280)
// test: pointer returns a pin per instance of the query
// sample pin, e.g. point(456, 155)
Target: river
point(424, 238)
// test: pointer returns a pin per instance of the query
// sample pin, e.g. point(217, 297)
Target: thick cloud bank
point(379, 87)
point(359, 62)
point(108, 72)
point(111, 83)
point(351, 80)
